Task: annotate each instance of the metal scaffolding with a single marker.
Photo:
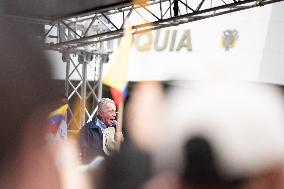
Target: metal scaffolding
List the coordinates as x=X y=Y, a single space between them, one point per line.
x=147 y=16
x=84 y=93
x=83 y=83
x=83 y=39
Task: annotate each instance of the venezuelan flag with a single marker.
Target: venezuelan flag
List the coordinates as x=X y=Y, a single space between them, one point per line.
x=55 y=118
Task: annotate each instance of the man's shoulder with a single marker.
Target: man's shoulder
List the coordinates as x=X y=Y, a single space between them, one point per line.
x=90 y=127
x=92 y=124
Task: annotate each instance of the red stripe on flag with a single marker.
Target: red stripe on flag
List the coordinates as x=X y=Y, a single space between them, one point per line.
x=52 y=128
x=116 y=95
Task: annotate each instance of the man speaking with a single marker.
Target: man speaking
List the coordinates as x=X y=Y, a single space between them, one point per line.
x=92 y=139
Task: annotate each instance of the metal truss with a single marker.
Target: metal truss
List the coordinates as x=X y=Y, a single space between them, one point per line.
x=81 y=37
x=83 y=32
x=83 y=86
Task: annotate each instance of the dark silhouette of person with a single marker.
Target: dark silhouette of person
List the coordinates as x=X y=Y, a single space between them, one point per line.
x=27 y=96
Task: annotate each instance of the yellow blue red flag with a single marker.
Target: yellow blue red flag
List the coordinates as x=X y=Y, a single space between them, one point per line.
x=117 y=76
x=55 y=118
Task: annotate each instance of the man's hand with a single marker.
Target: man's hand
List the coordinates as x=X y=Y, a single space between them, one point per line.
x=118 y=136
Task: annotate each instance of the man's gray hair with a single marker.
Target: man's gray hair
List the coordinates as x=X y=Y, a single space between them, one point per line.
x=103 y=103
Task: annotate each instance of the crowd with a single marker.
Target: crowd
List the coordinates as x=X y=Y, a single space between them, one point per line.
x=199 y=135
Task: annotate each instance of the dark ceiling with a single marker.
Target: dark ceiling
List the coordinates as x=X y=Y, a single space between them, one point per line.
x=54 y=9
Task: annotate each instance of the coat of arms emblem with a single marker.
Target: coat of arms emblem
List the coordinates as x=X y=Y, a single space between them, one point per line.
x=229 y=39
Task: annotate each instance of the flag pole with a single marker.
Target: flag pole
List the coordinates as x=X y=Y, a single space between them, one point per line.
x=120 y=116
x=119 y=136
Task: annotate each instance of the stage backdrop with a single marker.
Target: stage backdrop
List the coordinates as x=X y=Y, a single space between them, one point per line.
x=246 y=46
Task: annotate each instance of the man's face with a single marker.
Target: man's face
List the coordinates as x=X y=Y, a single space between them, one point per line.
x=108 y=114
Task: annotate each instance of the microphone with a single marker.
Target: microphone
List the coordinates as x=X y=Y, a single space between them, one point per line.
x=114 y=124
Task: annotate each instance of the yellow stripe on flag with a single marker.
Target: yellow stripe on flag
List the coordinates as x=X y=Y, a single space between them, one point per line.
x=117 y=75
x=59 y=111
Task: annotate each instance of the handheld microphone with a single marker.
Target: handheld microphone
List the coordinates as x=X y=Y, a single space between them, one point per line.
x=114 y=124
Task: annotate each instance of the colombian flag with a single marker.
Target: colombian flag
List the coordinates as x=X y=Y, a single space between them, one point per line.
x=117 y=76
x=55 y=118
